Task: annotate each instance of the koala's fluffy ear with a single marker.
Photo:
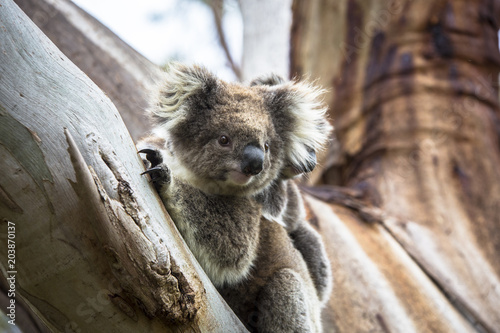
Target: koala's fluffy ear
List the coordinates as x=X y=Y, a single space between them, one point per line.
x=179 y=86
x=299 y=116
x=267 y=80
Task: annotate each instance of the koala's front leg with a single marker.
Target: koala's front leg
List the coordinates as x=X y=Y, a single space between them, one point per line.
x=309 y=243
x=157 y=170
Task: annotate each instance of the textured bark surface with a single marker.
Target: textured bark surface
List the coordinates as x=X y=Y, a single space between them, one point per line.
x=95 y=249
x=120 y=71
x=378 y=287
x=414 y=101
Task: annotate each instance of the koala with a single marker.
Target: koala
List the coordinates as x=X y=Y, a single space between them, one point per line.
x=221 y=156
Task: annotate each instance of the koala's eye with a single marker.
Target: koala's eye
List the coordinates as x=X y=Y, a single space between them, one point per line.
x=266 y=147
x=223 y=140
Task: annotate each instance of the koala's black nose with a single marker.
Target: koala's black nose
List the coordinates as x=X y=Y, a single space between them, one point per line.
x=253 y=160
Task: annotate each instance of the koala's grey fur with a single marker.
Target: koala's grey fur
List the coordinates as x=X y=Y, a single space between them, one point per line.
x=282 y=199
x=275 y=277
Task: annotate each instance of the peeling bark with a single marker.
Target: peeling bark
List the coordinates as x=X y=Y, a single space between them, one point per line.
x=121 y=226
x=378 y=286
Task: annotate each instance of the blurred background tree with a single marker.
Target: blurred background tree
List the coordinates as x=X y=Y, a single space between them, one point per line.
x=409 y=203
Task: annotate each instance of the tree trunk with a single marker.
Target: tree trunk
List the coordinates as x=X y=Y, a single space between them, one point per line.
x=266 y=37
x=120 y=71
x=415 y=105
x=91 y=246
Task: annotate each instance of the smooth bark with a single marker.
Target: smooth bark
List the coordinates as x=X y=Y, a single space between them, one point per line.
x=119 y=70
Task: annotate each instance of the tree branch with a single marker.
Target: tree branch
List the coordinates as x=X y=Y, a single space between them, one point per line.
x=217 y=7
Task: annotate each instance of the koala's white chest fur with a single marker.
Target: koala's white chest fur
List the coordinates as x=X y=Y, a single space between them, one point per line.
x=221 y=231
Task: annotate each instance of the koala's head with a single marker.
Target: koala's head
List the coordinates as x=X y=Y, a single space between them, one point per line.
x=300 y=116
x=231 y=139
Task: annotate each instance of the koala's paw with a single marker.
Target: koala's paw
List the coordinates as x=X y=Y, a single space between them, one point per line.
x=153 y=157
x=157 y=170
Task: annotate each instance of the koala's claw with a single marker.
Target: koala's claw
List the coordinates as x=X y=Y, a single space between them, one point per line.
x=153 y=170
x=159 y=174
x=153 y=156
